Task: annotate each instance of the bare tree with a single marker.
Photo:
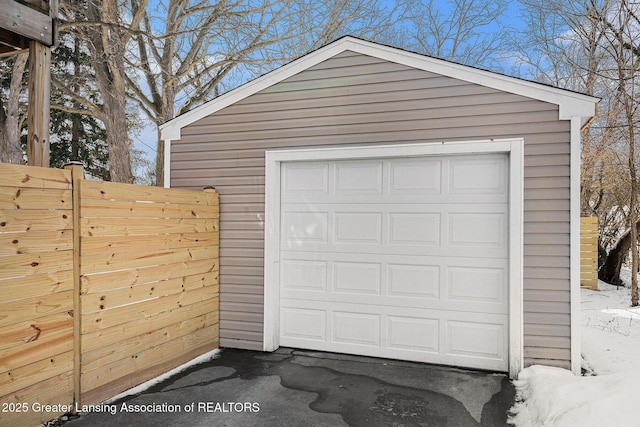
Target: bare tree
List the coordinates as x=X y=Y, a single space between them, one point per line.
x=590 y=46
x=463 y=31
x=561 y=46
x=106 y=28
x=10 y=117
x=188 y=52
x=621 y=26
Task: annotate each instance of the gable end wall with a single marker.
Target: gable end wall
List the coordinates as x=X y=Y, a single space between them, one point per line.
x=356 y=99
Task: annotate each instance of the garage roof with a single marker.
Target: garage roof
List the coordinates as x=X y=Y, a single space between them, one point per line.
x=571 y=104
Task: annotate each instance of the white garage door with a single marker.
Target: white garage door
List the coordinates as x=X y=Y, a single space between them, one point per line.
x=403 y=258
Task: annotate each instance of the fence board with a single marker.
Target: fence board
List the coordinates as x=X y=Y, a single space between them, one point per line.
x=94 y=283
x=35 y=198
x=36 y=285
x=142 y=226
x=19 y=220
x=53 y=391
x=129 y=209
x=148 y=357
x=123 y=244
x=115 y=316
x=589 y=252
x=34 y=373
x=31 y=264
x=33 y=329
x=130 y=347
x=36 y=350
x=33 y=177
x=98 y=263
x=36 y=288
x=145 y=373
x=133 y=193
x=104 y=337
x=124 y=296
x=35 y=308
x=32 y=242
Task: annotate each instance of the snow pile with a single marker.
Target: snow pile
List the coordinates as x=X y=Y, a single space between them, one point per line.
x=553 y=397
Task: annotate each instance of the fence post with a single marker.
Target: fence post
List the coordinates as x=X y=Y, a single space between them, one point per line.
x=77 y=175
x=214 y=200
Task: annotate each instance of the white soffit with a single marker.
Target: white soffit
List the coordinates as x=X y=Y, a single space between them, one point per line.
x=571 y=104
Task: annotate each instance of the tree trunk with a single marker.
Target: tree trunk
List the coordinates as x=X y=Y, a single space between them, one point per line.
x=610 y=270
x=108 y=48
x=10 y=149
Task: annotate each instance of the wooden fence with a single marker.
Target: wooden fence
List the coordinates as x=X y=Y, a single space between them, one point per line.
x=589 y=252
x=85 y=315
x=36 y=292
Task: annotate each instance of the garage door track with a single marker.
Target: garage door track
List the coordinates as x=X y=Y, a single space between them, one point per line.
x=306 y=388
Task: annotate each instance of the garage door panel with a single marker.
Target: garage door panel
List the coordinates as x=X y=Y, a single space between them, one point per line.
x=406 y=249
x=478 y=176
x=358 y=178
x=357 y=227
x=305 y=275
x=415 y=176
x=357 y=278
x=414 y=228
x=303 y=324
x=481 y=230
x=437 y=230
x=398 y=257
x=476 y=285
x=299 y=227
x=413 y=334
x=482 y=310
x=452 y=179
x=435 y=336
x=413 y=281
x=475 y=339
x=356 y=328
x=305 y=180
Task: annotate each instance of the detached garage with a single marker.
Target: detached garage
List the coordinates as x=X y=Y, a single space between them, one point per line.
x=379 y=202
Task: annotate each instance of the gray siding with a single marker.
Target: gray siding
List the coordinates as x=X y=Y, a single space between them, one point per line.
x=356 y=99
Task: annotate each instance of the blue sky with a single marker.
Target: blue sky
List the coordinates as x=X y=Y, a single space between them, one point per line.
x=145 y=140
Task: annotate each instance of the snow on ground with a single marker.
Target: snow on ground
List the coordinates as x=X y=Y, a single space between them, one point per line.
x=213 y=354
x=553 y=397
x=610 y=330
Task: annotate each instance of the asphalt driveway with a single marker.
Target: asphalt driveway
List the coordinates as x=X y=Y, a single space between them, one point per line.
x=305 y=388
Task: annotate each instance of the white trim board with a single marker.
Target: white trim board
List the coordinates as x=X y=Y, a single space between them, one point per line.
x=514 y=147
x=574 y=242
x=571 y=104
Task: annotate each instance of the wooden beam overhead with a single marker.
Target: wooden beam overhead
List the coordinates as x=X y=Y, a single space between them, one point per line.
x=26 y=21
x=41 y=5
x=10 y=41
